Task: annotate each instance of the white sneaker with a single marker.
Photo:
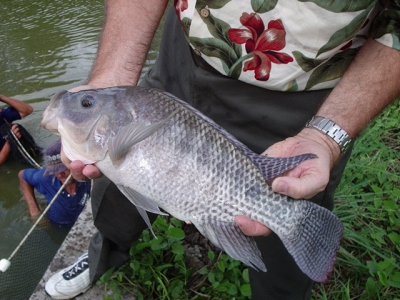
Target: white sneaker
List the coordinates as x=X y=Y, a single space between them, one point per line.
x=71 y=281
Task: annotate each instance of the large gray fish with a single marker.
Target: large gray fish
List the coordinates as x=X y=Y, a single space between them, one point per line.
x=162 y=153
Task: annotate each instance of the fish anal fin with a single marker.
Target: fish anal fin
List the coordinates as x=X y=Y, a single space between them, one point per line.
x=228 y=237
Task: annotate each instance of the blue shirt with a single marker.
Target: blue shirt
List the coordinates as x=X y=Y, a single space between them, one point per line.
x=10 y=114
x=66 y=209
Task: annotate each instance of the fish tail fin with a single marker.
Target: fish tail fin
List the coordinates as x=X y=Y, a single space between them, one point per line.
x=315 y=242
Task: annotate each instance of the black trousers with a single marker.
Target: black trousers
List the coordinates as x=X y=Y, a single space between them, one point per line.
x=256 y=116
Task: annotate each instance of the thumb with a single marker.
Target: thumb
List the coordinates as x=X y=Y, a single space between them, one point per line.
x=304 y=187
x=250 y=227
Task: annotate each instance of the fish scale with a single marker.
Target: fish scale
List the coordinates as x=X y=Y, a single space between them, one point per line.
x=162 y=153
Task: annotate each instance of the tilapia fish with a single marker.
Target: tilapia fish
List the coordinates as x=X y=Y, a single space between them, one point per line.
x=162 y=153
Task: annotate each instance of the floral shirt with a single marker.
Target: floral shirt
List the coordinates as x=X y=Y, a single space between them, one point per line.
x=286 y=45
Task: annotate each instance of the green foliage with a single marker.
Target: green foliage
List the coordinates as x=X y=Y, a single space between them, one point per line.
x=158 y=270
x=368 y=203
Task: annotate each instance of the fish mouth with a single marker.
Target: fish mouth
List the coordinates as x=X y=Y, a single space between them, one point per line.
x=49 y=122
x=49 y=116
x=84 y=145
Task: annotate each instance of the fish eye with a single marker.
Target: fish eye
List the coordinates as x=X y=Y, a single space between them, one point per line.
x=87 y=102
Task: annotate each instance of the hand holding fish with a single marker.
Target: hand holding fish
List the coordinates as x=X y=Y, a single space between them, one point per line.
x=311 y=177
x=305 y=180
x=250 y=227
x=79 y=170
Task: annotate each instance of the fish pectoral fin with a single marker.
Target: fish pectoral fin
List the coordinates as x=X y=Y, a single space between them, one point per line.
x=130 y=135
x=271 y=167
x=228 y=237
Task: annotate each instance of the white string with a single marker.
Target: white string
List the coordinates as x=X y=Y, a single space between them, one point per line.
x=40 y=218
x=32 y=161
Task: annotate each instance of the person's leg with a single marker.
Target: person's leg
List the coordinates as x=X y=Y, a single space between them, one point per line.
x=119 y=224
x=283 y=279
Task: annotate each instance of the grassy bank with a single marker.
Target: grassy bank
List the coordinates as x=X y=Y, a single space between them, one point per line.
x=368 y=202
x=367 y=267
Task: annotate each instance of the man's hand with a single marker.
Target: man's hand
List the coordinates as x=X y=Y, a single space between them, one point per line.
x=15 y=130
x=80 y=172
x=250 y=227
x=303 y=182
x=311 y=176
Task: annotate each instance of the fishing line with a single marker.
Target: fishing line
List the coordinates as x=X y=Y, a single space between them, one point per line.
x=5 y=263
x=20 y=147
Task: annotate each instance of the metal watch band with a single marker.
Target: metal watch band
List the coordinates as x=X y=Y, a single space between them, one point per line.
x=332 y=130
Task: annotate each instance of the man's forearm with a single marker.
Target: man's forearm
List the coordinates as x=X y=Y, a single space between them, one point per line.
x=23 y=108
x=367 y=87
x=127 y=34
x=5 y=152
x=29 y=195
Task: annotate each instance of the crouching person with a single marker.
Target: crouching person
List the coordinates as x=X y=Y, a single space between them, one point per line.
x=72 y=199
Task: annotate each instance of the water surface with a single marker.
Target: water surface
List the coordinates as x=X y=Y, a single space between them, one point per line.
x=45 y=46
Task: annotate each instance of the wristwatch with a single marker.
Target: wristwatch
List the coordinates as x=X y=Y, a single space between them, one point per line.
x=332 y=130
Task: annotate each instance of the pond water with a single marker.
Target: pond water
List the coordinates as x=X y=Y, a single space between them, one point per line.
x=45 y=46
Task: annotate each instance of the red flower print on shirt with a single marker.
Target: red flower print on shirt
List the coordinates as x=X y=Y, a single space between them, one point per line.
x=180 y=5
x=262 y=44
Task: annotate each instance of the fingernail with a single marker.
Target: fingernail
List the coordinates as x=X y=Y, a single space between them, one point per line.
x=281 y=187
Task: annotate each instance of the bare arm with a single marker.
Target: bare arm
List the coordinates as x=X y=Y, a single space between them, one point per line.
x=128 y=30
x=127 y=34
x=5 y=152
x=23 y=108
x=29 y=195
x=368 y=86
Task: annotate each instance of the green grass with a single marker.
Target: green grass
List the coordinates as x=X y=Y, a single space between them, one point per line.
x=367 y=267
x=367 y=202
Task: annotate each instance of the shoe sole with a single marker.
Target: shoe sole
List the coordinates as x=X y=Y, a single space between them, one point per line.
x=65 y=297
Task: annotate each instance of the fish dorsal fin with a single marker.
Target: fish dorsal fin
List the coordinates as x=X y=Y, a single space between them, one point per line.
x=129 y=136
x=142 y=203
x=274 y=166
